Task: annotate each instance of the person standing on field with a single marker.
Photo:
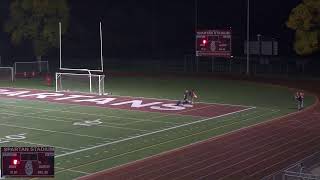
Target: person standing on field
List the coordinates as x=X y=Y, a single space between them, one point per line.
x=193 y=96
x=299 y=99
x=302 y=99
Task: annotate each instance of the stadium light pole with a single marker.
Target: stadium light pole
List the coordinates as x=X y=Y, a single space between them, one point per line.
x=248 y=37
x=195 y=30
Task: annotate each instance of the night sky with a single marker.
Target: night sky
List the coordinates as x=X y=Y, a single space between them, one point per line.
x=159 y=28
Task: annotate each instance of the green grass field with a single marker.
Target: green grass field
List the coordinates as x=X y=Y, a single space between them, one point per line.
x=124 y=135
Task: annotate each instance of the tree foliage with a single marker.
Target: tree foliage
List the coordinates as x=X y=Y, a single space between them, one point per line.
x=305 y=20
x=37 y=21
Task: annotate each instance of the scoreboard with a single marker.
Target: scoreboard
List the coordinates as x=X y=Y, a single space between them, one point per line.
x=216 y=43
x=27 y=162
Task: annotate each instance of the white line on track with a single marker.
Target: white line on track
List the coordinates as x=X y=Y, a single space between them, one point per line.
x=238 y=155
x=208 y=152
x=269 y=157
x=154 y=132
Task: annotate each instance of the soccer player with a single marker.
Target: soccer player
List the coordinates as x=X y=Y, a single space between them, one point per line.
x=186 y=96
x=192 y=95
x=302 y=98
x=299 y=99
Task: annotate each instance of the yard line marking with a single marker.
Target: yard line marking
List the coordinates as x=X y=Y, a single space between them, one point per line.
x=154 y=132
x=178 y=114
x=91 y=114
x=57 y=120
x=74 y=112
x=82 y=172
x=183 y=111
x=119 y=155
x=52 y=131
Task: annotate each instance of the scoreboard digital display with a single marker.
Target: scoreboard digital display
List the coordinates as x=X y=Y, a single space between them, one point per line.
x=215 y=43
x=27 y=162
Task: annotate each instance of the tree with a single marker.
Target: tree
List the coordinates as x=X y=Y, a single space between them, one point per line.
x=305 y=20
x=37 y=21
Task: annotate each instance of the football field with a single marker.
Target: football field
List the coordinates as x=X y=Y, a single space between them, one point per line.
x=94 y=133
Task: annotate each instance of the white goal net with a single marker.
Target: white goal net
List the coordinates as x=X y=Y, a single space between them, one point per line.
x=6 y=74
x=33 y=68
x=86 y=83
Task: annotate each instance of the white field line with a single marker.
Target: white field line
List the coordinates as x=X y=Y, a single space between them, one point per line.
x=131 y=97
x=99 y=107
x=227 y=151
x=135 y=97
x=57 y=120
x=194 y=109
x=224 y=104
x=168 y=115
x=59 y=117
x=27 y=142
x=76 y=119
x=52 y=131
x=154 y=132
x=240 y=154
x=190 y=145
x=91 y=114
x=81 y=172
x=157 y=155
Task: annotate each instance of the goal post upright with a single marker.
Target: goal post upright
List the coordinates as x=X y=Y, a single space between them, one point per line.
x=91 y=74
x=60 y=44
x=101 y=47
x=56 y=82
x=73 y=69
x=90 y=81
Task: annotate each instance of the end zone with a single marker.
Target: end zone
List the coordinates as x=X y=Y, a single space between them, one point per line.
x=204 y=110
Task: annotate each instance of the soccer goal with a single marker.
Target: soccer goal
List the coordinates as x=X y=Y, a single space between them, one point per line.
x=6 y=74
x=86 y=83
x=31 y=68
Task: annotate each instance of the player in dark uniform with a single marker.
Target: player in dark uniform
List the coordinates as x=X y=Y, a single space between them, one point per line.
x=186 y=96
x=299 y=97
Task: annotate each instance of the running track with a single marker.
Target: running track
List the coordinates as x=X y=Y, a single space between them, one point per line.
x=250 y=153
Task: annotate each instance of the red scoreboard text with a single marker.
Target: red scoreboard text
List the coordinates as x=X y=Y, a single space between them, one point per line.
x=216 y=43
x=27 y=162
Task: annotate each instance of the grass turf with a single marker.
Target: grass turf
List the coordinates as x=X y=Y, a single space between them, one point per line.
x=125 y=136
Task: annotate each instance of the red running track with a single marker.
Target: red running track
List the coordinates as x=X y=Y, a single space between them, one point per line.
x=250 y=153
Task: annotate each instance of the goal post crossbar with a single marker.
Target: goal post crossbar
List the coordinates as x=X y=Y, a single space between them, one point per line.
x=83 y=70
x=72 y=69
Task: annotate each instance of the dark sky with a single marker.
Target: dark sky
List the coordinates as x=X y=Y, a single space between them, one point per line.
x=144 y=28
